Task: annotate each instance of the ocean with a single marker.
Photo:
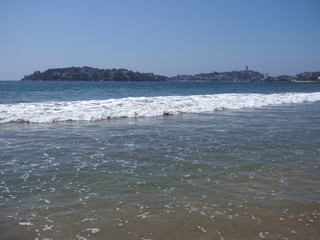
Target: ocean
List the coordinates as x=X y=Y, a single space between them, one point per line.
x=159 y=160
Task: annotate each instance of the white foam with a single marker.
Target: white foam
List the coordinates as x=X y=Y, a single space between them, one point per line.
x=25 y=223
x=95 y=110
x=93 y=230
x=202 y=229
x=81 y=238
x=47 y=227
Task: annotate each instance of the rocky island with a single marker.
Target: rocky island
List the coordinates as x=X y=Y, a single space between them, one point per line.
x=95 y=74
x=91 y=74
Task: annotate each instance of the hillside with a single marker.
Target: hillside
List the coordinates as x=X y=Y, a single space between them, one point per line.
x=95 y=74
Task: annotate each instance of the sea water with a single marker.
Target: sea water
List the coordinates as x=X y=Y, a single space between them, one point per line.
x=159 y=160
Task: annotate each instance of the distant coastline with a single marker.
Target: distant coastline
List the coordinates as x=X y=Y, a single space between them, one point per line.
x=95 y=74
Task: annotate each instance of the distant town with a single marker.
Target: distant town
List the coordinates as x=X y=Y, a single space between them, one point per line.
x=95 y=74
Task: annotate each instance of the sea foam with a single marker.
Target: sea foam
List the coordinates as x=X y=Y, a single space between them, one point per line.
x=95 y=110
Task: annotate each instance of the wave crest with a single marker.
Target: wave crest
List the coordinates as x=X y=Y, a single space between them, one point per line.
x=95 y=110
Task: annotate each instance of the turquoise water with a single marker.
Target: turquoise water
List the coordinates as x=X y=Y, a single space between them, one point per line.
x=245 y=173
x=17 y=92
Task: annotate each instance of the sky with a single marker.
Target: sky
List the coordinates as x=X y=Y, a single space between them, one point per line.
x=166 y=37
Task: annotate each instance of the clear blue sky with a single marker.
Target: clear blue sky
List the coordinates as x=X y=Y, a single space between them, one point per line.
x=167 y=37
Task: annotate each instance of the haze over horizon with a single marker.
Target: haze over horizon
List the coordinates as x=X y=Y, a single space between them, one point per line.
x=163 y=37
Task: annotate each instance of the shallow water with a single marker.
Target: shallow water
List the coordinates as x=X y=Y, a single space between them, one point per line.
x=241 y=174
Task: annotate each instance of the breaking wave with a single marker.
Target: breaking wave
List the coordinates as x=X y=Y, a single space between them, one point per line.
x=95 y=110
